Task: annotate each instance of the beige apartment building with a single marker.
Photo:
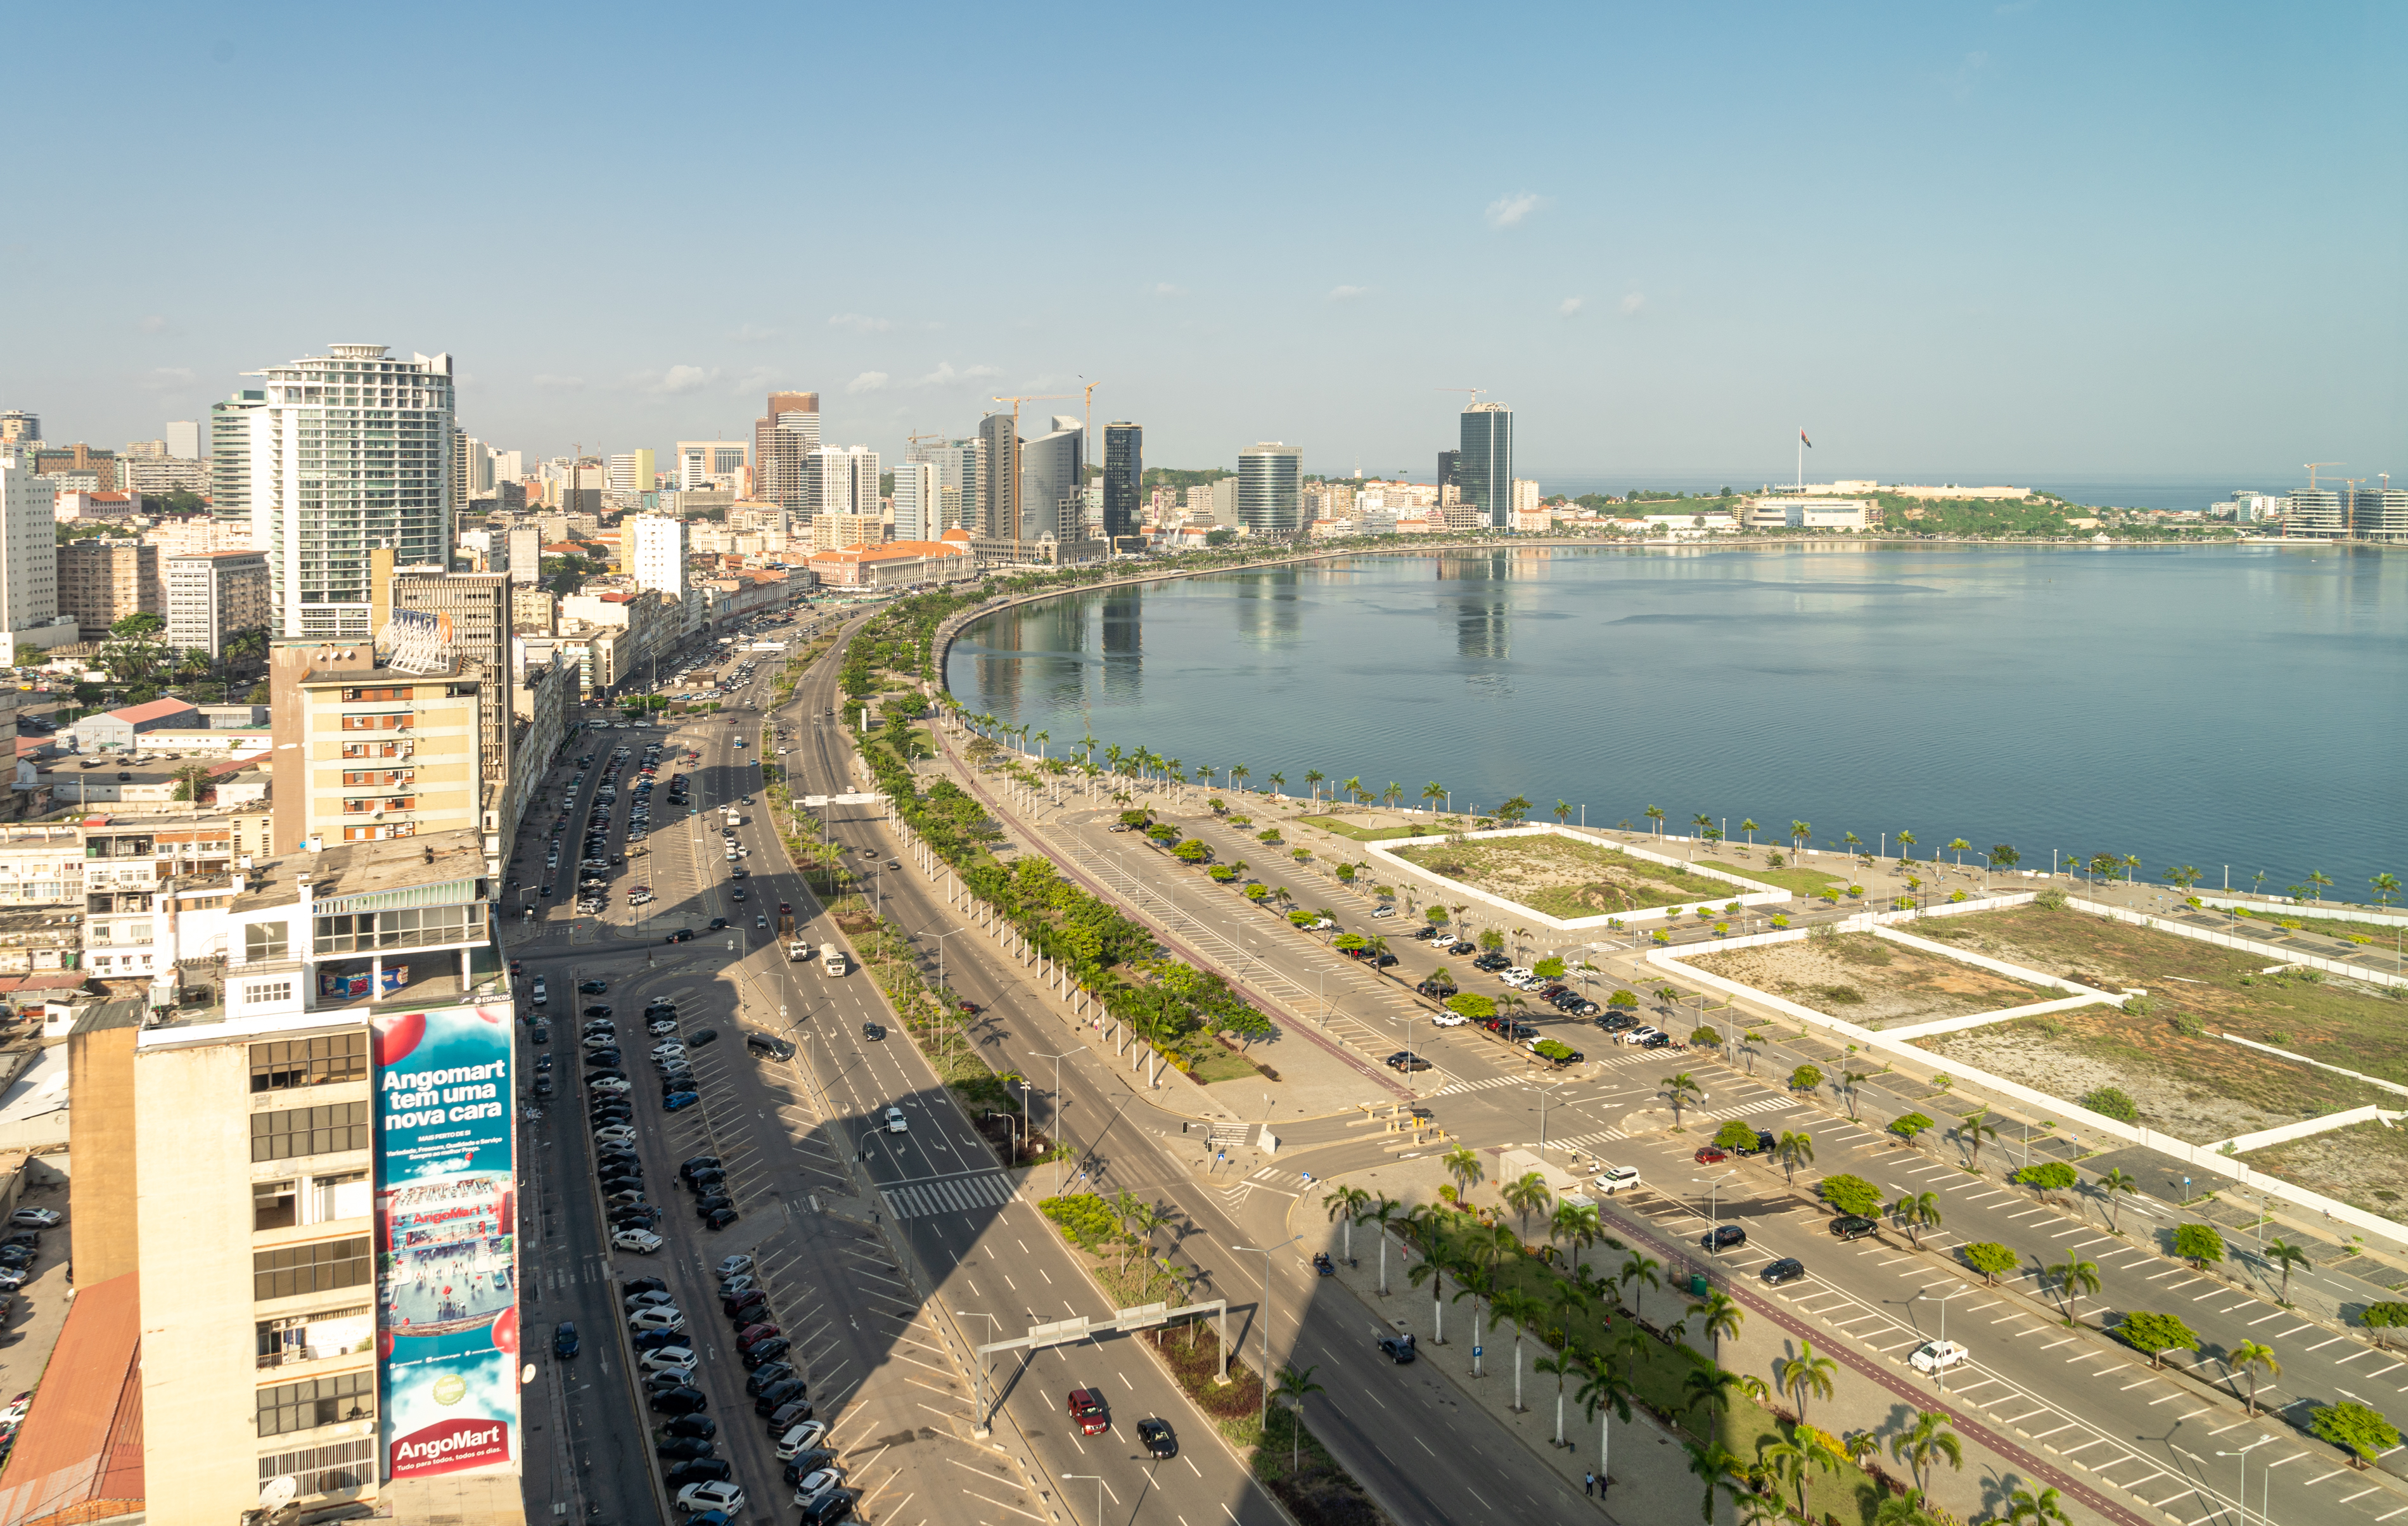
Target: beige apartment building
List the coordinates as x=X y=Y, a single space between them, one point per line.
x=101 y=582
x=365 y=753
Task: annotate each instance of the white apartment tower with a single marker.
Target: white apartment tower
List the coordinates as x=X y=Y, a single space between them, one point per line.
x=841 y=479
x=29 y=559
x=660 y=554
x=350 y=452
x=916 y=487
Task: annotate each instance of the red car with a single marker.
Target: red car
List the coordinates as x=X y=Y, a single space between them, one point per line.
x=755 y=1332
x=1711 y=1154
x=1087 y=1412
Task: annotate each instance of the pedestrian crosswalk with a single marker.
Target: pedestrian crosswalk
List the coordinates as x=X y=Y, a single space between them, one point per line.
x=1482 y=1085
x=1581 y=1142
x=1761 y=1104
x=948 y=1195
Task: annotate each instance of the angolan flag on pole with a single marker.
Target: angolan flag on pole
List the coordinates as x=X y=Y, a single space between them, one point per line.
x=1808 y=443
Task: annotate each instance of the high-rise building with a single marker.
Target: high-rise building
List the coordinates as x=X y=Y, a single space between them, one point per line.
x=350 y=452
x=19 y=426
x=631 y=471
x=916 y=504
x=2314 y=512
x=840 y=480
x=1526 y=496
x=713 y=463
x=480 y=471
x=213 y=596
x=472 y=615
x=999 y=484
x=1052 y=472
x=1124 y=470
x=1449 y=474
x=957 y=480
x=28 y=550
x=783 y=438
x=2381 y=513
x=82 y=460
x=101 y=582
x=1271 y=481
x=652 y=551
x=230 y=454
x=1484 y=470
x=184 y=439
x=525 y=544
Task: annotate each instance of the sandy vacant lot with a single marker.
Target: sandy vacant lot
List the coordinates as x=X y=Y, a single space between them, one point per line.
x=1567 y=877
x=2366 y=1167
x=1865 y=980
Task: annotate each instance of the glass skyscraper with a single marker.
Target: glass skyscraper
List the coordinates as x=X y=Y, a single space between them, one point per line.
x=1270 y=489
x=1484 y=466
x=1124 y=470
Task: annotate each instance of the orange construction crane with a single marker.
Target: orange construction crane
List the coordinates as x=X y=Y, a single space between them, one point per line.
x=2311 y=467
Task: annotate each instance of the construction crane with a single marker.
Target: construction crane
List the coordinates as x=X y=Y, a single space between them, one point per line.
x=2311 y=467
x=1474 y=391
x=1014 y=476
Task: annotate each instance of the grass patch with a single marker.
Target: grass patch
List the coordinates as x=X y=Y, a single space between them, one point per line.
x=1567 y=877
x=2268 y=926
x=1366 y=834
x=2365 y=1166
x=1211 y=1062
x=1800 y=880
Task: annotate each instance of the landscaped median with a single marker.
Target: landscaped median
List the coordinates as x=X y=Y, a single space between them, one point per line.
x=1116 y=1236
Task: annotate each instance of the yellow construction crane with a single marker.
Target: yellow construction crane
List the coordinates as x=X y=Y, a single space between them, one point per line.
x=1013 y=475
x=1474 y=391
x=2311 y=467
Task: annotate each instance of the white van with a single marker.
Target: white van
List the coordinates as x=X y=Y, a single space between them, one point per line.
x=833 y=960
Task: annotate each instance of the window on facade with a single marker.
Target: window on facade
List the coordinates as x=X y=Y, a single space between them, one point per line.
x=264 y=940
x=342 y=1195
x=355 y=696
x=407 y=928
x=377 y=722
x=326 y=1401
x=309 y=1130
x=289 y=1270
x=266 y=993
x=325 y=1470
x=307 y=1062
x=273 y=1205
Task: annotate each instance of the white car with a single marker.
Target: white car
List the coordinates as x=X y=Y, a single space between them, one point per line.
x=669 y=1359
x=541 y=996
x=617 y=1133
x=895 y=1122
x=653 y=1298
x=1641 y=1034
x=1517 y=974
x=35 y=1218
x=612 y=1083
x=642 y=1241
x=1443 y=941
x=802 y=1438
x=662 y=1318
x=1383 y=910
x=1615 y=1179
x=1938 y=1356
x=730 y=1265
x=669 y=1051
x=1448 y=1019
x=816 y=1483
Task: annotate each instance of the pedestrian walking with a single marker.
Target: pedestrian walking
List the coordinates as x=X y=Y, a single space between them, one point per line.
x=1588 y=1484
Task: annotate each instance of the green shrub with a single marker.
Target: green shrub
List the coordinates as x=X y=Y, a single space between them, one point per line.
x=1805 y=1078
x=2051 y=899
x=2156 y=1334
x=2356 y=1427
x=1989 y=1257
x=2198 y=1244
x=1735 y=1135
x=1550 y=968
x=1085 y=1217
x=2111 y=1102
x=2047 y=1176
x=1194 y=851
x=1473 y=1005
x=1850 y=1194
x=1706 y=1038
x=1909 y=1126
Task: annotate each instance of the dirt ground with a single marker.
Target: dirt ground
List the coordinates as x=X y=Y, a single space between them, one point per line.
x=2365 y=1166
x=1863 y=979
x=1567 y=877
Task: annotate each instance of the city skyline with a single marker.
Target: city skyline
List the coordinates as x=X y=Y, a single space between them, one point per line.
x=1957 y=243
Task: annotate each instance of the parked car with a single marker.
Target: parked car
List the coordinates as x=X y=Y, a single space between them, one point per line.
x=1709 y=1155
x=1938 y=1356
x=718 y=1494
x=800 y=1438
x=1406 y=1060
x=38 y=1219
x=1615 y=1179
x=642 y=1241
x=770 y=1398
x=1851 y=1227
x=680 y=1401
x=1397 y=1348
x=563 y=1339
x=1723 y=1237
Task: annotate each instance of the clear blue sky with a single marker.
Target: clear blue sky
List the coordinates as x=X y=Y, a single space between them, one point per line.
x=1977 y=241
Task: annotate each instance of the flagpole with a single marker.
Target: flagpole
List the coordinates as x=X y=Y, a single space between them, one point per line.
x=1801 y=458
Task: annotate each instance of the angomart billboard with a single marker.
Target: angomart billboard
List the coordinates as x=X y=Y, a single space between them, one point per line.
x=447 y=1240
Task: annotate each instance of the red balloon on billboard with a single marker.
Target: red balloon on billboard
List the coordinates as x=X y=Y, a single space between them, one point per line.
x=396 y=1037
x=506 y=1331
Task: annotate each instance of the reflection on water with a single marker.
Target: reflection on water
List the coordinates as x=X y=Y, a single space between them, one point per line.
x=2233 y=705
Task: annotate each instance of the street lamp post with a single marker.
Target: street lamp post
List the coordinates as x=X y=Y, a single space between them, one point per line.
x=1940 y=1375
x=1058 y=1110
x=1266 y=1252
x=1713 y=1186
x=2266 y=1492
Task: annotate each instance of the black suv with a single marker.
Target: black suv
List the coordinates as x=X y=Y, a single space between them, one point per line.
x=1492 y=961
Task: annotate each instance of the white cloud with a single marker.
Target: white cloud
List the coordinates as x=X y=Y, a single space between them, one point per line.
x=868 y=381
x=677 y=378
x=1164 y=288
x=166 y=378
x=1632 y=303
x=1568 y=305
x=860 y=323
x=1509 y=212
x=1347 y=293
x=945 y=376
x=559 y=383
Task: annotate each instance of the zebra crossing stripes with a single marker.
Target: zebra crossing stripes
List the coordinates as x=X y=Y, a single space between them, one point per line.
x=1581 y=1142
x=1762 y=1104
x=1482 y=1085
x=948 y=1195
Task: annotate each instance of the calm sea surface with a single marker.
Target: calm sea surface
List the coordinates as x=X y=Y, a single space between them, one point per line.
x=2239 y=706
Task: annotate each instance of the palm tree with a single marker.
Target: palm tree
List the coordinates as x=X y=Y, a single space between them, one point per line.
x=1855 y=842
x=1313 y=778
x=1656 y=813
x=1912 y=1508
x=1848 y=1080
x=2112 y=1183
x=1432 y=1268
x=1238 y=776
x=1346 y=1203
x=1295 y=1383
x=1974 y=1128
x=1562 y=1364
x=2316 y=879
x=1806 y=1372
x=1603 y=1393
x=1394 y=793
x=1917 y=1212
x=1578 y=1225
x=1680 y=1088
x=1527 y=1194
x=1463 y=1164
x=1520 y=1310
x=1795 y=1464
x=1958 y=846
x=1701 y=822
x=1905 y=840
x=2073 y=1275
x=1381 y=1213
x=2043 y=1507
x=2247 y=1357
x=1800 y=833
x=1563 y=812
x=1719 y=1468
x=1722 y=1317
x=1638 y=1267
x=1748 y=825
x=1795 y=1149
x=2386 y=886
x=1433 y=792
x=1925 y=1442
x=1354 y=788
x=2287 y=1256
x=1277 y=782
x=1711 y=1387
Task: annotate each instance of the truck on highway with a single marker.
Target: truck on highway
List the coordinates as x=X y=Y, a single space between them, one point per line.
x=832 y=960
x=799 y=951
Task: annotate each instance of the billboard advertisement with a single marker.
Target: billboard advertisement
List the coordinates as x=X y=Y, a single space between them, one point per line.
x=446 y=1240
